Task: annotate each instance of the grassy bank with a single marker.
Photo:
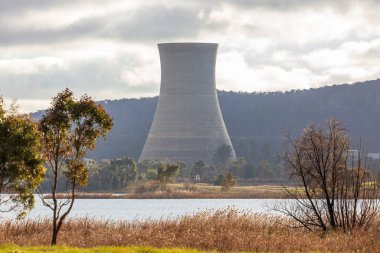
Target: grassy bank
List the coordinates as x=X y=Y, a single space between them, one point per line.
x=196 y=191
x=222 y=231
x=46 y=249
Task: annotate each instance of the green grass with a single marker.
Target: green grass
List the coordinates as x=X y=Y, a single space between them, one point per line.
x=58 y=249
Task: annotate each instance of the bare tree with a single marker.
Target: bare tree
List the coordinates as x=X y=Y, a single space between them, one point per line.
x=334 y=189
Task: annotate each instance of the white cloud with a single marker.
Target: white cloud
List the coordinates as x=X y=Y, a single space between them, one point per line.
x=108 y=48
x=350 y=62
x=30 y=66
x=27 y=105
x=140 y=75
x=233 y=71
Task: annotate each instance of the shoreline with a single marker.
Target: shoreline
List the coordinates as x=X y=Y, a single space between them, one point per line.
x=181 y=191
x=126 y=196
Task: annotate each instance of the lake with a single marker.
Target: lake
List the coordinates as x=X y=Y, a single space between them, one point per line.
x=142 y=209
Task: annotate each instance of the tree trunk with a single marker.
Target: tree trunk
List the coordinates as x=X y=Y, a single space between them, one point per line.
x=54 y=235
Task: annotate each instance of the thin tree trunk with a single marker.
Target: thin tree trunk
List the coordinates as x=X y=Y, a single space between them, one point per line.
x=54 y=232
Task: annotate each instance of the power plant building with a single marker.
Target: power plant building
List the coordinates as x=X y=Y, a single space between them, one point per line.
x=188 y=125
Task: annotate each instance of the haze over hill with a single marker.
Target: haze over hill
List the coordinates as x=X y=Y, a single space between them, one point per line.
x=264 y=118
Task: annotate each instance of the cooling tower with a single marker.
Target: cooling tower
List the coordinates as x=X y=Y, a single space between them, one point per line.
x=188 y=125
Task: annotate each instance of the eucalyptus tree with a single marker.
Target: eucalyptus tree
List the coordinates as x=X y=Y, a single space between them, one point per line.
x=21 y=165
x=119 y=173
x=166 y=172
x=228 y=182
x=70 y=128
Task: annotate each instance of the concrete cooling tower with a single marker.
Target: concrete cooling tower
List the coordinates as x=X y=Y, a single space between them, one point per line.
x=188 y=125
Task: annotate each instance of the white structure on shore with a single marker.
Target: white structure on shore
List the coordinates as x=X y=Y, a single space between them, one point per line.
x=188 y=124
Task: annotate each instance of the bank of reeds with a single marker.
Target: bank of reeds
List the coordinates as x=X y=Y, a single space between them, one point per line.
x=187 y=191
x=175 y=195
x=224 y=230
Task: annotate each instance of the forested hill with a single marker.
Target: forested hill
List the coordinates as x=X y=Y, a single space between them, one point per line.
x=264 y=118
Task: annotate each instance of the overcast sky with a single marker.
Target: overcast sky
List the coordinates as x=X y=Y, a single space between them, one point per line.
x=108 y=50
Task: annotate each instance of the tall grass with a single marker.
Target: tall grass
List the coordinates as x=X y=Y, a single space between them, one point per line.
x=62 y=249
x=223 y=230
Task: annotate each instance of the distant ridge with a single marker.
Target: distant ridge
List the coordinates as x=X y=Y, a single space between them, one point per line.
x=262 y=117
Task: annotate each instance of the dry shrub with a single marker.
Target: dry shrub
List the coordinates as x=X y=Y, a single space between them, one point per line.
x=223 y=230
x=188 y=187
x=150 y=187
x=140 y=189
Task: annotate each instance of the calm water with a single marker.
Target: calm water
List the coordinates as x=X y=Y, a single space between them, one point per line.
x=129 y=209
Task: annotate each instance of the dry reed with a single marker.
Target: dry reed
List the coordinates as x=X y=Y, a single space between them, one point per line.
x=263 y=192
x=224 y=230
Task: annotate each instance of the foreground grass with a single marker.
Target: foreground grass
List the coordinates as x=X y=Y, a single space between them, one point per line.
x=58 y=249
x=224 y=230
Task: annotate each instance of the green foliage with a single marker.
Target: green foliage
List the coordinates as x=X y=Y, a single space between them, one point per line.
x=151 y=174
x=121 y=171
x=219 y=180
x=198 y=168
x=144 y=165
x=165 y=172
x=112 y=174
x=70 y=128
x=249 y=171
x=223 y=154
x=184 y=171
x=228 y=182
x=237 y=167
x=21 y=164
